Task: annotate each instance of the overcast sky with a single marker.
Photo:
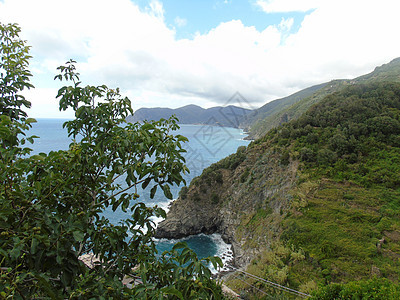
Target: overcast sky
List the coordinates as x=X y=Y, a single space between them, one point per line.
x=172 y=53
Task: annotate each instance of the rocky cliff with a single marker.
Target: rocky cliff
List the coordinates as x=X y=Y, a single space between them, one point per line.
x=231 y=196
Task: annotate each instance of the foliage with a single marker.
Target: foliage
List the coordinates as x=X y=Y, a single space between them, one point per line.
x=245 y=175
x=232 y=161
x=376 y=288
x=280 y=111
x=272 y=264
x=291 y=107
x=351 y=135
x=214 y=198
x=183 y=192
x=212 y=176
x=348 y=146
x=343 y=211
x=51 y=205
x=14 y=76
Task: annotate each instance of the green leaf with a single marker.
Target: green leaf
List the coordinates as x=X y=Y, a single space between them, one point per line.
x=153 y=191
x=147 y=126
x=179 y=245
x=30 y=120
x=34 y=245
x=172 y=291
x=16 y=251
x=167 y=191
x=64 y=193
x=78 y=235
x=146 y=183
x=46 y=286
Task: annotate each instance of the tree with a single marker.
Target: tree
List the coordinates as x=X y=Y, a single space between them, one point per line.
x=51 y=205
x=14 y=72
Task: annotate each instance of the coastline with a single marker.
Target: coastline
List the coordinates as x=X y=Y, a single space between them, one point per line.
x=224 y=250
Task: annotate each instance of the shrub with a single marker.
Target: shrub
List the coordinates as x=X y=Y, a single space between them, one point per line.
x=214 y=198
x=307 y=155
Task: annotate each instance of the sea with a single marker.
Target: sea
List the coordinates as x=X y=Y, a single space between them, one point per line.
x=207 y=144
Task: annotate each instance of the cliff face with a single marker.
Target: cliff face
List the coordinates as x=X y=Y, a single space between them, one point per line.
x=242 y=197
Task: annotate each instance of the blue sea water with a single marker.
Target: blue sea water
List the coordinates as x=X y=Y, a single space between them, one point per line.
x=207 y=144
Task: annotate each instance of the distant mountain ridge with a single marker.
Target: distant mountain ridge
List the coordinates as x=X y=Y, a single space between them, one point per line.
x=229 y=116
x=272 y=114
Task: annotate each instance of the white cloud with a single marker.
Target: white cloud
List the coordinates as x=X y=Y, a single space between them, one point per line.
x=286 y=24
x=118 y=44
x=156 y=9
x=276 y=6
x=44 y=104
x=180 y=22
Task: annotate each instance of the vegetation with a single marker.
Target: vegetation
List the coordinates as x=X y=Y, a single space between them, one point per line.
x=350 y=138
x=231 y=162
x=352 y=135
x=376 y=288
x=344 y=213
x=334 y=230
x=280 y=111
x=51 y=215
x=340 y=216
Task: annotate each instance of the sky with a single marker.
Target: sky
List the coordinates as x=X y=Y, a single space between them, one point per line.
x=172 y=53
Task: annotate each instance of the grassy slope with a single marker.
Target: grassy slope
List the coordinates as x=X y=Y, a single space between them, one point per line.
x=350 y=147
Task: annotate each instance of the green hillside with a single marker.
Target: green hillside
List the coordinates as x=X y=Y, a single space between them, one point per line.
x=294 y=106
x=289 y=112
x=254 y=120
x=347 y=198
x=386 y=72
x=315 y=201
x=344 y=214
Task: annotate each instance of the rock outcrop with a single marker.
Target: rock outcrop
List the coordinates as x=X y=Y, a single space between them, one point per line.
x=241 y=197
x=187 y=218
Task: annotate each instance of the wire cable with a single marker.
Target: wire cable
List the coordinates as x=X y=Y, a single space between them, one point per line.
x=249 y=284
x=275 y=285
